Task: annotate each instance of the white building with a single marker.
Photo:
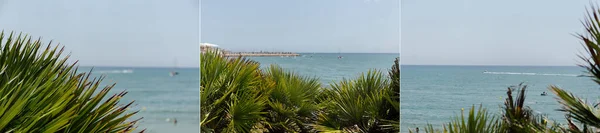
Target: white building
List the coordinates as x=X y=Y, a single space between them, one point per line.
x=206 y=46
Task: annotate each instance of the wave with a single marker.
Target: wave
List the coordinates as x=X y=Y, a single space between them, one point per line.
x=117 y=71
x=542 y=74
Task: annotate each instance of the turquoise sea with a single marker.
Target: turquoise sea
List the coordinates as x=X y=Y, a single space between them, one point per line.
x=159 y=97
x=429 y=94
x=328 y=68
x=435 y=94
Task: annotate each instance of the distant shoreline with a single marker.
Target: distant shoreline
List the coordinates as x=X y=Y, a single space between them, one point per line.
x=340 y=53
x=142 y=67
x=488 y=65
x=259 y=54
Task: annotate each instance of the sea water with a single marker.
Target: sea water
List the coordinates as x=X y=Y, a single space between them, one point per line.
x=159 y=98
x=435 y=94
x=328 y=68
x=429 y=94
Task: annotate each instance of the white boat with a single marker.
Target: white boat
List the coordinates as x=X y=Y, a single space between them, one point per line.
x=173 y=73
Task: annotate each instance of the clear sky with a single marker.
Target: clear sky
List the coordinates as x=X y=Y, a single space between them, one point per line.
x=476 y=32
x=152 y=33
x=357 y=26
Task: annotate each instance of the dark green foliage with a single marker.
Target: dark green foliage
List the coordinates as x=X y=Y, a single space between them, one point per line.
x=41 y=92
x=475 y=122
x=575 y=107
x=520 y=118
x=516 y=114
x=480 y=122
x=591 y=39
x=356 y=105
x=393 y=107
x=231 y=94
x=237 y=96
x=292 y=103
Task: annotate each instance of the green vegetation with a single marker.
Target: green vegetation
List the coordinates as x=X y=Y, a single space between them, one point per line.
x=237 y=96
x=516 y=117
x=41 y=92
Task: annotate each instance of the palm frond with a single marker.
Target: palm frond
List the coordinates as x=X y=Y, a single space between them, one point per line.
x=41 y=92
x=573 y=106
x=475 y=122
x=292 y=100
x=231 y=95
x=577 y=108
x=356 y=105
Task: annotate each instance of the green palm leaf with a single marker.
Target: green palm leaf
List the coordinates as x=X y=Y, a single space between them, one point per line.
x=231 y=94
x=356 y=105
x=41 y=92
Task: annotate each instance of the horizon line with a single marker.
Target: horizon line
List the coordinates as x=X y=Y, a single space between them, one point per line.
x=332 y=52
x=349 y=52
x=488 y=65
x=133 y=66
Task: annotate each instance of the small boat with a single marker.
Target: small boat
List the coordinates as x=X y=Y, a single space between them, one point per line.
x=543 y=94
x=173 y=73
x=582 y=75
x=339 y=54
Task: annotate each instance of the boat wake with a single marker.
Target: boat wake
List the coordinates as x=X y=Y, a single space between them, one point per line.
x=117 y=71
x=541 y=74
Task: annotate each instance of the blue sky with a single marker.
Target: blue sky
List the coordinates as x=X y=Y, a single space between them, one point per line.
x=150 y=33
x=357 y=26
x=475 y=32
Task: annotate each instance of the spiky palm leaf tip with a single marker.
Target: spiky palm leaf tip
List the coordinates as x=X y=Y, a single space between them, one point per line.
x=359 y=105
x=41 y=92
x=572 y=105
x=231 y=94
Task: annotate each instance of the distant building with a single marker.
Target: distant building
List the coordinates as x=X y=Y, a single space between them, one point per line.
x=207 y=46
x=204 y=47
